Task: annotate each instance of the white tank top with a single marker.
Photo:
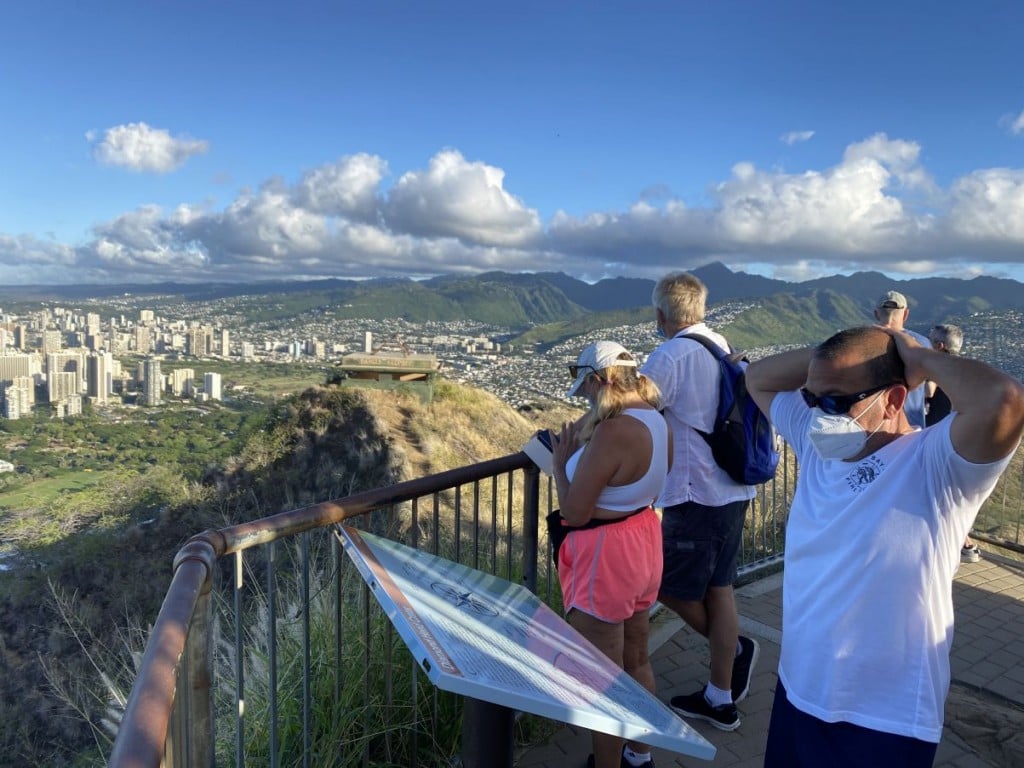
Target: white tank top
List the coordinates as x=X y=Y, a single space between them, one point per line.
x=643 y=492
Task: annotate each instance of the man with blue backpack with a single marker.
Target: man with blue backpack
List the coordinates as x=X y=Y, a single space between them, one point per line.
x=703 y=505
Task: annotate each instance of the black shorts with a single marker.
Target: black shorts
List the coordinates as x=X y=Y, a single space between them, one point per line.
x=799 y=740
x=701 y=545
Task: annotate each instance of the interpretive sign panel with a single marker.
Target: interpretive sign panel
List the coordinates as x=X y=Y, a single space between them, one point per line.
x=481 y=636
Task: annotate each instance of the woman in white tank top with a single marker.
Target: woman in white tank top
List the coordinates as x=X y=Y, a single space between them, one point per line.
x=609 y=468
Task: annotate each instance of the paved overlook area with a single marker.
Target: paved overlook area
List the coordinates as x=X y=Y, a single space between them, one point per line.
x=984 y=712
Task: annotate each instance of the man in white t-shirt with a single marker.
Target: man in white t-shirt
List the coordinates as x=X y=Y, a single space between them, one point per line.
x=891 y=311
x=873 y=540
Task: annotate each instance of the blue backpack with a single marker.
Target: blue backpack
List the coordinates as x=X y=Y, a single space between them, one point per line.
x=743 y=441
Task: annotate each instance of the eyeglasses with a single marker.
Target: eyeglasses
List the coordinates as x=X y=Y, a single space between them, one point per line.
x=837 y=405
x=574 y=370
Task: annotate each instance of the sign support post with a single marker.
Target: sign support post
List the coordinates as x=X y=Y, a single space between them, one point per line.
x=487 y=734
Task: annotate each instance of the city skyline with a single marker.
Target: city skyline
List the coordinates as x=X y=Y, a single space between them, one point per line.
x=232 y=142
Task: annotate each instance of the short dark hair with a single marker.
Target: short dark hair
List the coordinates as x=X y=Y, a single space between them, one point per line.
x=875 y=346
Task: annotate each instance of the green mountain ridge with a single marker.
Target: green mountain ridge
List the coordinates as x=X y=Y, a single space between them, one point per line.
x=524 y=301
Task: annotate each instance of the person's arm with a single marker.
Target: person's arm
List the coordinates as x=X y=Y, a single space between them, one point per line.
x=989 y=403
x=594 y=470
x=779 y=373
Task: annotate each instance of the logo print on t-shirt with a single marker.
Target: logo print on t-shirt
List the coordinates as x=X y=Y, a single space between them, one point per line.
x=864 y=474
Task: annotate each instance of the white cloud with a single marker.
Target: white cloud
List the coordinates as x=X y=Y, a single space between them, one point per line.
x=1017 y=126
x=795 y=137
x=457 y=198
x=849 y=210
x=987 y=210
x=139 y=147
x=346 y=188
x=29 y=250
x=876 y=208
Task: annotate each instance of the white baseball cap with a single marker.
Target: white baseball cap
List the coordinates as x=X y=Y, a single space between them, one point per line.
x=596 y=357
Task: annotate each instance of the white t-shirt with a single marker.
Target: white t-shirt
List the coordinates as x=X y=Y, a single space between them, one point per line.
x=913 y=406
x=871 y=549
x=688 y=377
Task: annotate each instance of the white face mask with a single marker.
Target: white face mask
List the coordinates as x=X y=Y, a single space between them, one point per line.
x=839 y=437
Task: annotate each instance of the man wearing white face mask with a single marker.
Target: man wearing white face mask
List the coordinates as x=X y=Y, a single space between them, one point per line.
x=873 y=540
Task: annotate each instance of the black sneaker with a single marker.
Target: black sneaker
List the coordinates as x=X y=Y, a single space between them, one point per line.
x=743 y=668
x=725 y=717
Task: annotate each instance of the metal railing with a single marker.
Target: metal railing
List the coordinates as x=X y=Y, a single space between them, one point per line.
x=269 y=650
x=1001 y=519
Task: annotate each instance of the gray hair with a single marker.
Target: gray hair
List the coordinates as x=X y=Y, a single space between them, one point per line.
x=681 y=297
x=950 y=336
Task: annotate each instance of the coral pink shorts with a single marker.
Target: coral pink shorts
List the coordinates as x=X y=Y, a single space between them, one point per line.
x=613 y=571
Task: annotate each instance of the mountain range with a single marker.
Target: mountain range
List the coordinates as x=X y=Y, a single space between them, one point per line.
x=777 y=309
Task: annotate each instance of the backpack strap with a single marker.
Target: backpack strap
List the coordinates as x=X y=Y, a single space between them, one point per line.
x=705 y=342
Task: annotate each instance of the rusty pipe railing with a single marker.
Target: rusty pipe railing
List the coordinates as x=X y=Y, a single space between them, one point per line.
x=146 y=725
x=171 y=715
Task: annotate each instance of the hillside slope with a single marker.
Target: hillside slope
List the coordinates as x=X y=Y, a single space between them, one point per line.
x=325 y=443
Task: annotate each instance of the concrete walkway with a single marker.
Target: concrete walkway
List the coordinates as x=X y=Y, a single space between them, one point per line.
x=984 y=714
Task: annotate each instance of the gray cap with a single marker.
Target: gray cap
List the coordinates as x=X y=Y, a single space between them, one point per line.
x=892 y=300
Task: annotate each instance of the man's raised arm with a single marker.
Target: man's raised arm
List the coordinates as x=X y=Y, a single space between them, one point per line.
x=779 y=373
x=989 y=404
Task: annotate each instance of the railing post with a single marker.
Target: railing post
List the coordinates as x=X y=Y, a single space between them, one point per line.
x=531 y=516
x=199 y=749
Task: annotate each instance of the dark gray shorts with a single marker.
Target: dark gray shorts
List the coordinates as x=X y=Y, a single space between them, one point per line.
x=701 y=545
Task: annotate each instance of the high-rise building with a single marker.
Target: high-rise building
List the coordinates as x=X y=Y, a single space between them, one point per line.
x=248 y=350
x=52 y=341
x=16 y=403
x=12 y=366
x=61 y=385
x=72 y=360
x=197 y=342
x=146 y=316
x=29 y=385
x=143 y=340
x=225 y=343
x=152 y=382
x=181 y=381
x=211 y=383
x=99 y=376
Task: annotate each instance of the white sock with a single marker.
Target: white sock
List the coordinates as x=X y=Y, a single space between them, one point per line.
x=717 y=697
x=636 y=758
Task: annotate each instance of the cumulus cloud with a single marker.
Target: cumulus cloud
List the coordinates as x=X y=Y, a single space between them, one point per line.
x=847 y=210
x=877 y=207
x=795 y=137
x=457 y=198
x=987 y=209
x=139 y=147
x=347 y=188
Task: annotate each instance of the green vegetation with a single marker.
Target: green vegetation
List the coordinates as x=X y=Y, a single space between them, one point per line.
x=547 y=335
x=93 y=567
x=67 y=467
x=251 y=381
x=785 y=319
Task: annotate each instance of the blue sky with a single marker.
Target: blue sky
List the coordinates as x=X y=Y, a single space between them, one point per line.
x=240 y=141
